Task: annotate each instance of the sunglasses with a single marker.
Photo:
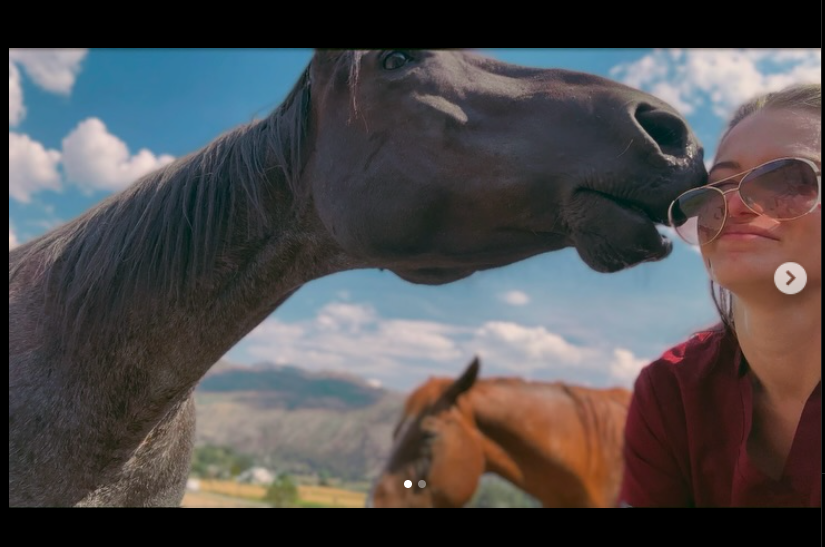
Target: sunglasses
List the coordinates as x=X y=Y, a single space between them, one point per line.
x=782 y=189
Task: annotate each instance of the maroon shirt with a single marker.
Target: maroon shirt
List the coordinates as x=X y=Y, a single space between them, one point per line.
x=687 y=431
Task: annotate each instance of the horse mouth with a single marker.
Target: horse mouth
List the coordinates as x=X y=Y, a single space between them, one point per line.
x=612 y=234
x=621 y=236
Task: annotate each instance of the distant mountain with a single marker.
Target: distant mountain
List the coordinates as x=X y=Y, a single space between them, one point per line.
x=291 y=388
x=297 y=420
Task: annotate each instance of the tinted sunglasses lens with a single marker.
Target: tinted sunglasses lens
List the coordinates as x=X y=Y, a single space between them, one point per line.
x=783 y=189
x=698 y=215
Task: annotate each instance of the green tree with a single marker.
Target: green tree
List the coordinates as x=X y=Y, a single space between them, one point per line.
x=282 y=493
x=217 y=462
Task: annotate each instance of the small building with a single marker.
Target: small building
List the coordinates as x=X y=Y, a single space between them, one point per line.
x=257 y=475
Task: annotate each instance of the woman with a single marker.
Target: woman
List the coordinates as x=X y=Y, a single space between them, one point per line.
x=733 y=416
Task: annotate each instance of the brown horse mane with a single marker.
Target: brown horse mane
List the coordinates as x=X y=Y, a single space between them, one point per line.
x=427 y=395
x=160 y=234
x=432 y=388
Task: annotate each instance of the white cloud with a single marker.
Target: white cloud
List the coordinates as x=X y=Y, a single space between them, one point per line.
x=54 y=70
x=673 y=96
x=720 y=79
x=344 y=317
x=431 y=340
x=515 y=298
x=626 y=366
x=355 y=339
x=16 y=109
x=94 y=159
x=32 y=168
x=12 y=239
x=532 y=345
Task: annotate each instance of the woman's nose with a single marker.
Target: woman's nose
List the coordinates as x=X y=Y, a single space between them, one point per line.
x=737 y=207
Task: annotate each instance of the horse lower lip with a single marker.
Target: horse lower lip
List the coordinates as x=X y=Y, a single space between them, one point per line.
x=631 y=239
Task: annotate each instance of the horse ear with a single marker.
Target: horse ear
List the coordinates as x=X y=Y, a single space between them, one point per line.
x=463 y=383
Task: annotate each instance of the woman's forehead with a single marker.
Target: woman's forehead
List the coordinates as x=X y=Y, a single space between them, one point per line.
x=771 y=134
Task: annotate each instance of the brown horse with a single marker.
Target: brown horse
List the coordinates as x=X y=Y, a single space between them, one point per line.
x=433 y=164
x=560 y=443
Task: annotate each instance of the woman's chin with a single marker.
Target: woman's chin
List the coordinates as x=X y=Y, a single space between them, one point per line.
x=742 y=277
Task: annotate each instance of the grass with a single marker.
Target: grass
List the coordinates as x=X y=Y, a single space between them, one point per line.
x=314 y=497
x=233 y=489
x=331 y=497
x=205 y=500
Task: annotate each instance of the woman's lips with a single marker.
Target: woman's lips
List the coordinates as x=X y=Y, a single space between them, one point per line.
x=736 y=235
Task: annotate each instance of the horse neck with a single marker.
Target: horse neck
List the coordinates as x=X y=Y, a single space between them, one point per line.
x=138 y=298
x=549 y=439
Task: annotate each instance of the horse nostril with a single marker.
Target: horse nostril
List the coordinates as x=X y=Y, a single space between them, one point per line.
x=667 y=129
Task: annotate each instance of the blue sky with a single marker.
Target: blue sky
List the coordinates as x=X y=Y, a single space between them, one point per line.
x=86 y=123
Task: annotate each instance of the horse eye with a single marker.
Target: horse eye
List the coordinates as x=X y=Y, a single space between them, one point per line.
x=395 y=60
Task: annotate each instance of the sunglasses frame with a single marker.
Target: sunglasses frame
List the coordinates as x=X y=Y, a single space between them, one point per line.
x=714 y=186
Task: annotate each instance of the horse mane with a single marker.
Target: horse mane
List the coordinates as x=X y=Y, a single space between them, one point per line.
x=434 y=387
x=158 y=236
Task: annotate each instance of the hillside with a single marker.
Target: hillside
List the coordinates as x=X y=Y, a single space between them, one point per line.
x=298 y=421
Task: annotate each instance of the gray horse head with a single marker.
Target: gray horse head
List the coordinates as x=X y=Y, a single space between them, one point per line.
x=438 y=164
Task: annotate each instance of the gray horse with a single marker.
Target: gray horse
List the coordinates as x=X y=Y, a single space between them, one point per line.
x=433 y=164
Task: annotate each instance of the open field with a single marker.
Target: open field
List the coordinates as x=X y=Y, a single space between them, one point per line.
x=331 y=497
x=205 y=500
x=219 y=494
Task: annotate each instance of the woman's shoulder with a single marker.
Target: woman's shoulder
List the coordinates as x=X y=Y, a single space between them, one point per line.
x=693 y=360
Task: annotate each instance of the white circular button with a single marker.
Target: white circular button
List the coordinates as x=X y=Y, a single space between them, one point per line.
x=790 y=278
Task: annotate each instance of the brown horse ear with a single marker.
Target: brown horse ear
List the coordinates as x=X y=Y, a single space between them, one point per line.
x=462 y=384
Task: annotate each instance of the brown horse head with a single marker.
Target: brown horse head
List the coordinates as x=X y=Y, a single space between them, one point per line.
x=435 y=448
x=558 y=442
x=436 y=164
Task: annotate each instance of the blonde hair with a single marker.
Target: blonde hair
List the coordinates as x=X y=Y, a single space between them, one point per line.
x=806 y=97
